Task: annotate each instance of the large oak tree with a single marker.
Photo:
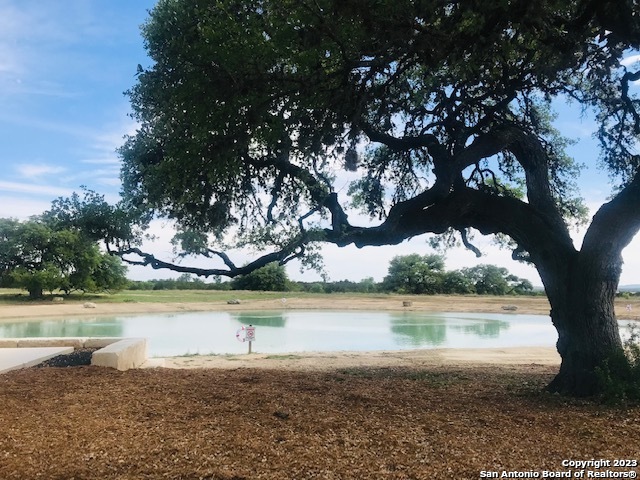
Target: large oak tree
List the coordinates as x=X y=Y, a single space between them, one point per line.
x=252 y=108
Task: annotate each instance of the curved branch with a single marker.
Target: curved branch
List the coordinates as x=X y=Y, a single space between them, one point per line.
x=223 y=256
x=287 y=254
x=616 y=223
x=626 y=78
x=468 y=245
x=533 y=158
x=467 y=208
x=428 y=141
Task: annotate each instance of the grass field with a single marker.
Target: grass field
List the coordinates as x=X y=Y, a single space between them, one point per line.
x=10 y=296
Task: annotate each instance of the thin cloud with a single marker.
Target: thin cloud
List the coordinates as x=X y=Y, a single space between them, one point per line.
x=109 y=177
x=105 y=155
x=34 y=189
x=38 y=170
x=112 y=160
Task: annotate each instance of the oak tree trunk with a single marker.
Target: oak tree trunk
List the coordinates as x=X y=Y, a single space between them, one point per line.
x=35 y=293
x=582 y=311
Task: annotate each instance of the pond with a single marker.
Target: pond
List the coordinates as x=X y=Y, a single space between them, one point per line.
x=300 y=331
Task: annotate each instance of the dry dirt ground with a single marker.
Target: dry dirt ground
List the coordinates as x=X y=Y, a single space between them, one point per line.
x=538 y=305
x=436 y=415
x=432 y=422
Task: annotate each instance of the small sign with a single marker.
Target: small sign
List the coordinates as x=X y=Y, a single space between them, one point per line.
x=250 y=334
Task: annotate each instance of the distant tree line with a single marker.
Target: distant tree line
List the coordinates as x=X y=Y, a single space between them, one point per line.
x=409 y=274
x=183 y=282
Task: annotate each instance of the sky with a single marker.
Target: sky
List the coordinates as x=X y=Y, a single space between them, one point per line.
x=64 y=68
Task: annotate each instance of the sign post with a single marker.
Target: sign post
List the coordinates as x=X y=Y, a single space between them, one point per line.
x=250 y=335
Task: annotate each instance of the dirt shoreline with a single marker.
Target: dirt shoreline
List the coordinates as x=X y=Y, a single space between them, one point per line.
x=535 y=305
x=436 y=303
x=520 y=358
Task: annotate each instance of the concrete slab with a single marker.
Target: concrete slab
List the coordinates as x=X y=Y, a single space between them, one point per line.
x=74 y=342
x=100 y=342
x=123 y=355
x=15 y=358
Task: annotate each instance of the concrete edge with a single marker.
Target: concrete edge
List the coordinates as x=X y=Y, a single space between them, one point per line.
x=51 y=342
x=122 y=355
x=76 y=342
x=113 y=352
x=27 y=358
x=100 y=342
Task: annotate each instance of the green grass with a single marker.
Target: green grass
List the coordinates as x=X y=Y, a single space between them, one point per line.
x=9 y=296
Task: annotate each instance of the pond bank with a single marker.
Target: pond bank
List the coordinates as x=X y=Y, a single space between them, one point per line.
x=436 y=303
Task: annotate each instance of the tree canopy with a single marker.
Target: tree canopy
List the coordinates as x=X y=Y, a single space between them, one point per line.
x=426 y=274
x=253 y=113
x=493 y=280
x=415 y=274
x=271 y=277
x=251 y=109
x=39 y=257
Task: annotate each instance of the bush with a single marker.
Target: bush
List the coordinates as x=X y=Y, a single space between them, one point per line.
x=272 y=277
x=619 y=376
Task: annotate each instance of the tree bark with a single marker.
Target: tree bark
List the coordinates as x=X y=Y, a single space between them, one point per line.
x=582 y=290
x=582 y=311
x=35 y=293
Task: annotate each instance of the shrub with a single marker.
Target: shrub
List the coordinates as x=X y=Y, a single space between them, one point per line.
x=619 y=375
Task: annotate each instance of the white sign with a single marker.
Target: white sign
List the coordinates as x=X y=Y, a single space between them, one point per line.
x=250 y=335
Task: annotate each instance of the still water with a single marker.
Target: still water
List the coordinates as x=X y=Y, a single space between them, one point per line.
x=299 y=331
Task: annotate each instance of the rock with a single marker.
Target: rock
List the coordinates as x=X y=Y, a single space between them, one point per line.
x=509 y=307
x=235 y=301
x=281 y=415
x=407 y=303
x=57 y=299
x=81 y=356
x=89 y=305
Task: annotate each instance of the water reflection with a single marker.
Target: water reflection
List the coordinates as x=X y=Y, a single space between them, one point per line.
x=419 y=332
x=78 y=327
x=276 y=320
x=488 y=329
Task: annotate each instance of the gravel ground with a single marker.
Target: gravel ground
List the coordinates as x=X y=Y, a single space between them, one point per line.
x=80 y=356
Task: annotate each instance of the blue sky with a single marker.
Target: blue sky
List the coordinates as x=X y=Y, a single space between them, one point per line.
x=64 y=66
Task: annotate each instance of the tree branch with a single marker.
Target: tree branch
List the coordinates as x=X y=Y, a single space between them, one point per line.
x=616 y=223
x=468 y=245
x=428 y=141
x=283 y=256
x=223 y=256
x=461 y=209
x=626 y=78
